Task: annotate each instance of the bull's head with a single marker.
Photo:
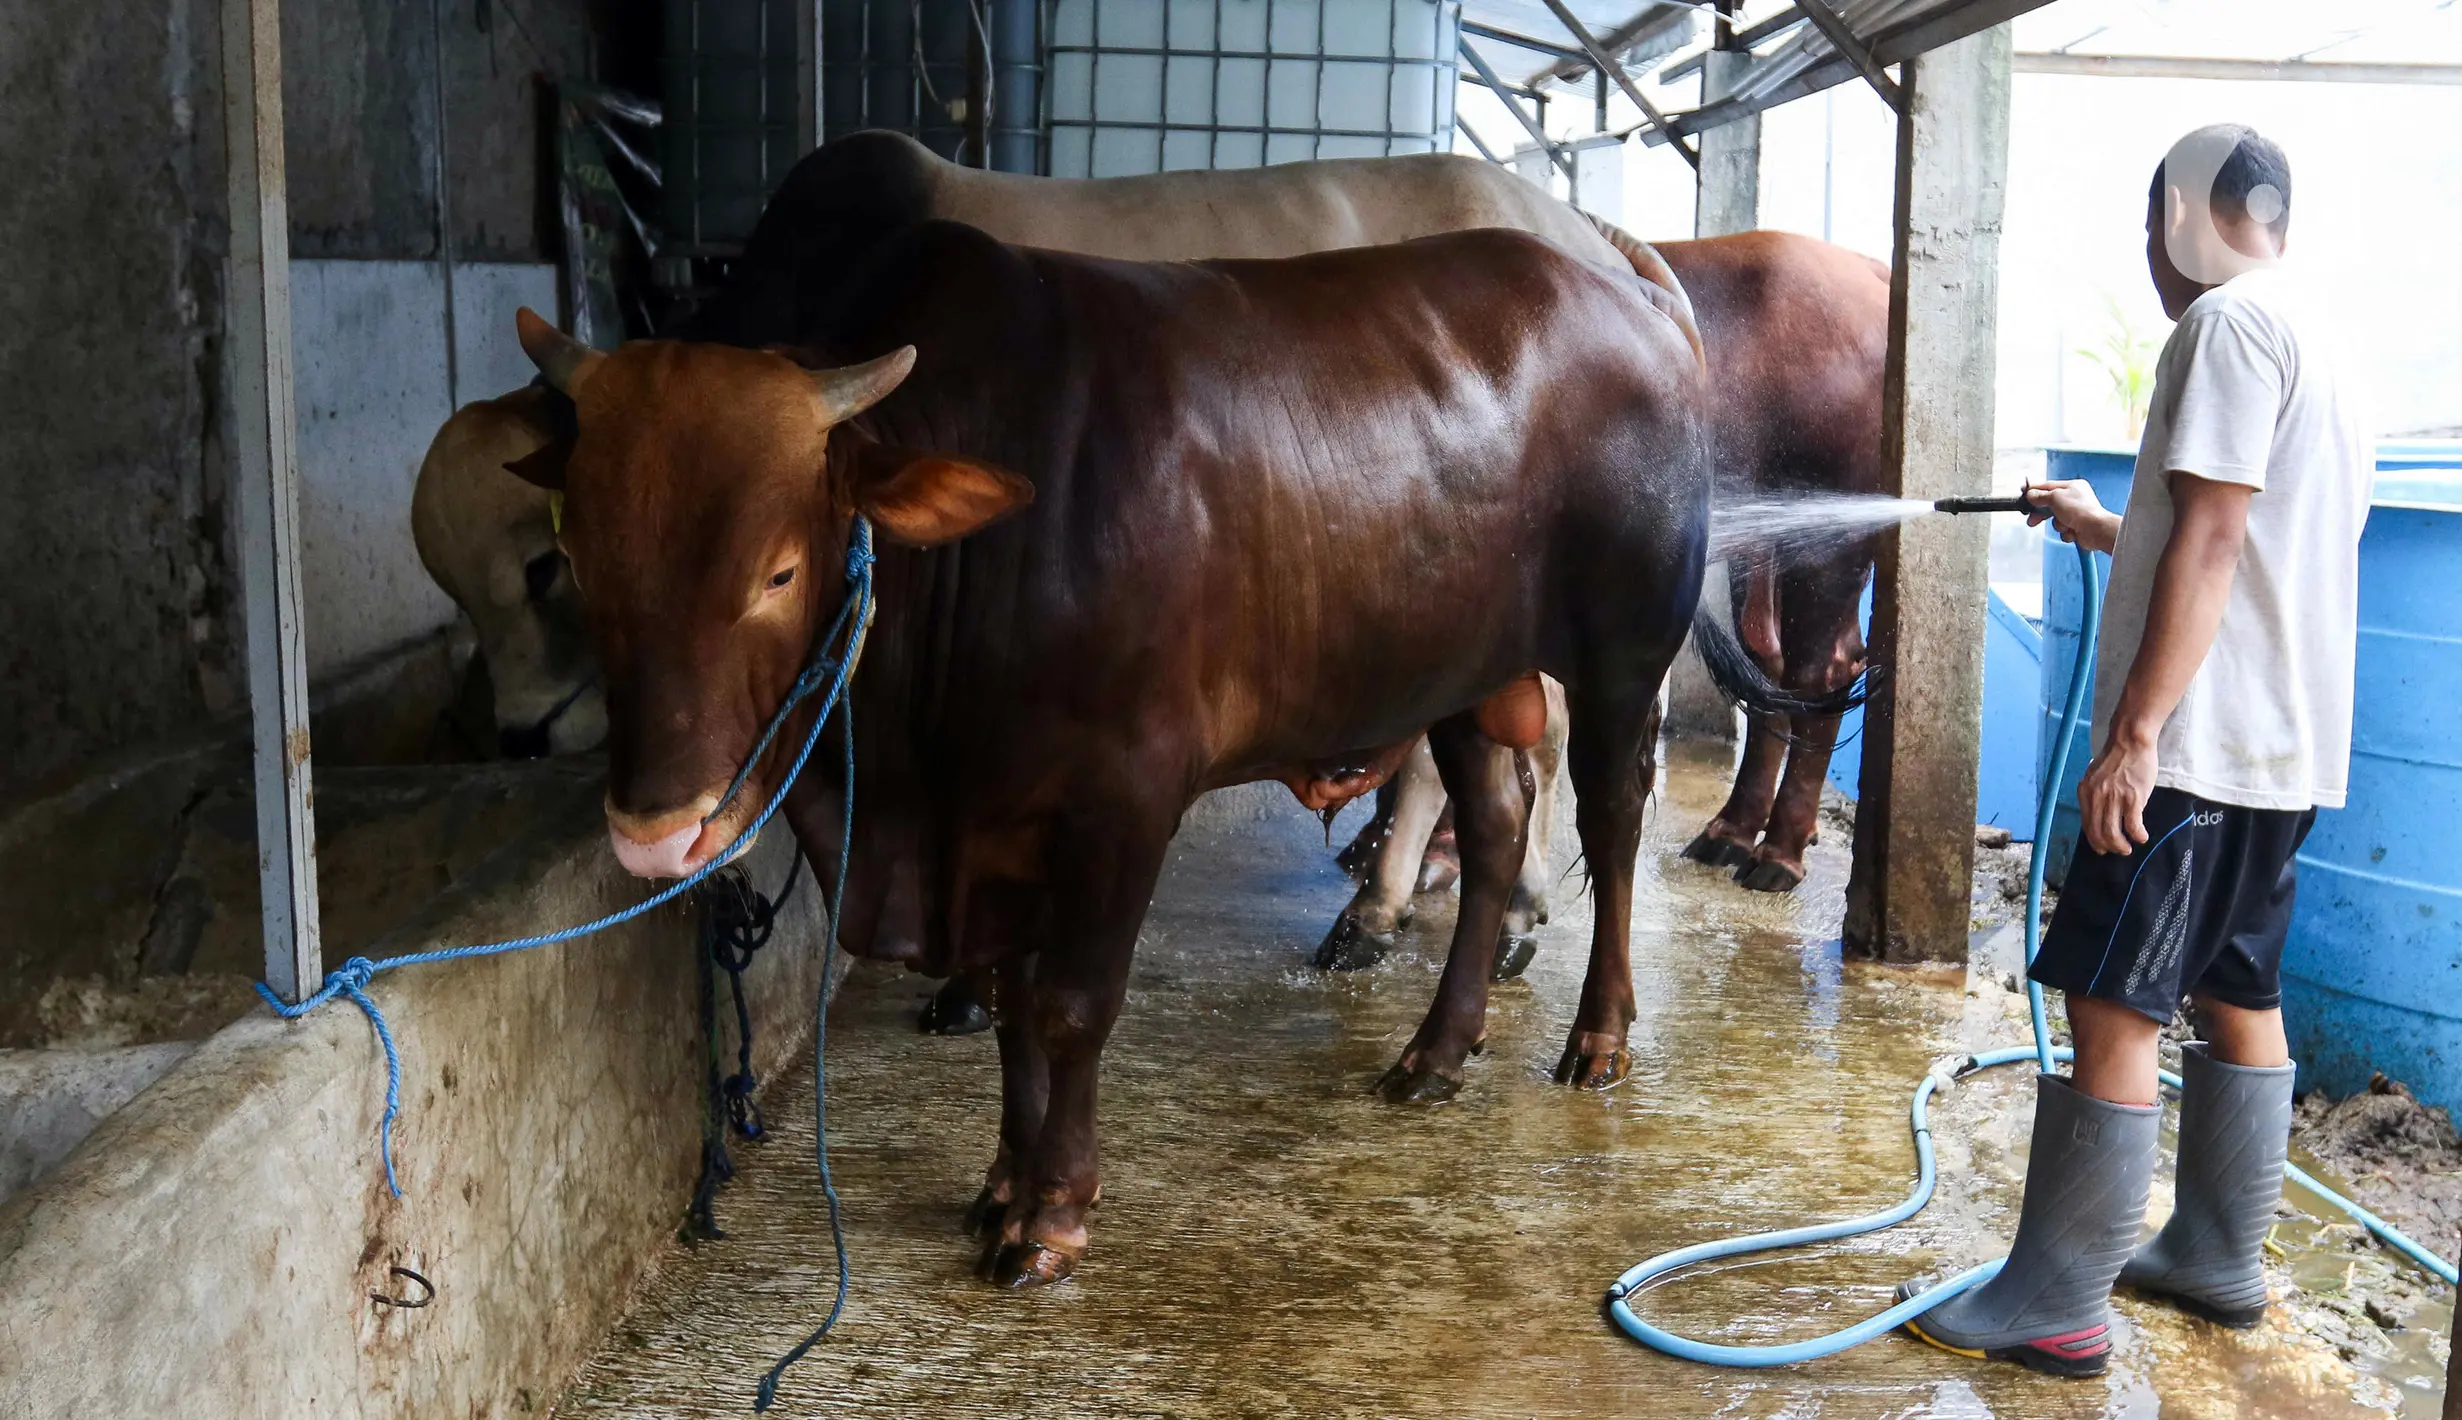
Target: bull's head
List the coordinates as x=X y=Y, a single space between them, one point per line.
x=489 y=540
x=707 y=511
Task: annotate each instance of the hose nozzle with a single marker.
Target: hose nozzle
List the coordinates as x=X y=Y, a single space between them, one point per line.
x=2017 y=504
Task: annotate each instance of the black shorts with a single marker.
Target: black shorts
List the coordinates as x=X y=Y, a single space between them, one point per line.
x=2201 y=907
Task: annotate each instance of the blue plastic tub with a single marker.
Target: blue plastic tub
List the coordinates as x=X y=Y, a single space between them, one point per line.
x=2005 y=789
x=2373 y=971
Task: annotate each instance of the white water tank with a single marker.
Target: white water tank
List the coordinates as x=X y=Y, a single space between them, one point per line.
x=1140 y=86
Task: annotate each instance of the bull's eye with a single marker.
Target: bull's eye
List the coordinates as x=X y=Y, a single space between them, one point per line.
x=781 y=577
x=539 y=573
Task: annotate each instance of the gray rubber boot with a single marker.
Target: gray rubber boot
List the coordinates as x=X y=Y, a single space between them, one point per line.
x=2235 y=1131
x=2086 y=1183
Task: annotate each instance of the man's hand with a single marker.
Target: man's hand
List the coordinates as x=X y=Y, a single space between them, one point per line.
x=2111 y=799
x=2075 y=512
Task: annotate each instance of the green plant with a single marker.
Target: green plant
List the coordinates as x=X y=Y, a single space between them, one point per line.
x=2126 y=356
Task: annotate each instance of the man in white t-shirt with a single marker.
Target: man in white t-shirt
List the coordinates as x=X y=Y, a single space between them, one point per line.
x=2222 y=723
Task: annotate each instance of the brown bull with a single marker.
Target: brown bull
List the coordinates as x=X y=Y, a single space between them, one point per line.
x=1269 y=520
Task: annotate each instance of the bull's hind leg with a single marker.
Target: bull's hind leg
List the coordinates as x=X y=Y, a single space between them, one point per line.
x=1363 y=934
x=1726 y=841
x=1104 y=875
x=1613 y=763
x=1822 y=641
x=1491 y=812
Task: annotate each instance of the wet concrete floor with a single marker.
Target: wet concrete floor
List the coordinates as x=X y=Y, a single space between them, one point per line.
x=1274 y=1241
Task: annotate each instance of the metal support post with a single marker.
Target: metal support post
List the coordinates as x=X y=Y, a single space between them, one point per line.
x=1909 y=894
x=807 y=76
x=265 y=499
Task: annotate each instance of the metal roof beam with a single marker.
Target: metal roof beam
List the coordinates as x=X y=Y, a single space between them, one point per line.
x=1844 y=41
x=2160 y=66
x=1624 y=37
x=1520 y=41
x=1504 y=96
x=1624 y=81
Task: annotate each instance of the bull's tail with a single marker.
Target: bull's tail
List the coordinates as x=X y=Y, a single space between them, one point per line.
x=1654 y=270
x=1740 y=678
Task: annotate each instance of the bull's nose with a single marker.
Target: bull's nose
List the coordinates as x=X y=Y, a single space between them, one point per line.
x=667 y=857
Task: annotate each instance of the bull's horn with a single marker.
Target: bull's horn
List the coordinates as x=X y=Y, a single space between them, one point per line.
x=851 y=390
x=565 y=362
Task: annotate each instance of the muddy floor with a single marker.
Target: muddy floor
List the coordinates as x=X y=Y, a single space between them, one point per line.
x=1275 y=1242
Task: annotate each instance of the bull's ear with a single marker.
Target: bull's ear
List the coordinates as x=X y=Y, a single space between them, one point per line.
x=544 y=414
x=543 y=465
x=925 y=499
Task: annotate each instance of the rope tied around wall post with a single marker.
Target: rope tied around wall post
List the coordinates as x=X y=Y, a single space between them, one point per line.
x=847 y=629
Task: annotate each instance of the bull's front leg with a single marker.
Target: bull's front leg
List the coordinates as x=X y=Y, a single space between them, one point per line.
x=1491 y=814
x=1025 y=1094
x=1364 y=933
x=1103 y=881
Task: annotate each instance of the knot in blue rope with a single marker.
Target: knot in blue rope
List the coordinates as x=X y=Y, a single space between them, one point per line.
x=859 y=557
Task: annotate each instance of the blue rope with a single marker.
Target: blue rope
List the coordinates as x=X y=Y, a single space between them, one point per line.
x=854 y=619
x=2042 y=1054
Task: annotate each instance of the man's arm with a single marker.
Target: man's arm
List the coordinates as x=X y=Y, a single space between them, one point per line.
x=2192 y=584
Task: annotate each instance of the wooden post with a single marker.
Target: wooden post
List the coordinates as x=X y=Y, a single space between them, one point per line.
x=265 y=484
x=1908 y=895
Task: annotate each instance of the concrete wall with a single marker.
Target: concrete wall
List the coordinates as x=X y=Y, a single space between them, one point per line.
x=115 y=586
x=118 y=595
x=368 y=339
x=210 y=1249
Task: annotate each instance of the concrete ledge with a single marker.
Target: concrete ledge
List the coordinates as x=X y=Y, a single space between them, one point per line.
x=211 y=1249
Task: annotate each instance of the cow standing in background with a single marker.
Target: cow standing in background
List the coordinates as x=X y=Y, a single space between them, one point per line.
x=1270 y=519
x=1796 y=333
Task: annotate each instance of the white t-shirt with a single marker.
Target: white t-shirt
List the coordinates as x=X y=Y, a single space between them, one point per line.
x=2250 y=390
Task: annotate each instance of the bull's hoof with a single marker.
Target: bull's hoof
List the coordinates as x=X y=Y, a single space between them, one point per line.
x=1358 y=856
x=1716 y=851
x=985 y=1215
x=1439 y=870
x=1590 y=1069
x=1020 y=1265
x=1350 y=946
x=1769 y=875
x=1417 y=1084
x=1513 y=953
x=953 y=1010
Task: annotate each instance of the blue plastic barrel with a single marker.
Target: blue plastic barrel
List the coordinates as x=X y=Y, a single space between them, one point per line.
x=2005 y=786
x=2109 y=472
x=2373 y=970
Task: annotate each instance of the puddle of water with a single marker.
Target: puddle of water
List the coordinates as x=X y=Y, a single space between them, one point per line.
x=1275 y=1242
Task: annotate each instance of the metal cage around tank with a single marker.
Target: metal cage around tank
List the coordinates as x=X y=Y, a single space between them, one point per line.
x=1136 y=86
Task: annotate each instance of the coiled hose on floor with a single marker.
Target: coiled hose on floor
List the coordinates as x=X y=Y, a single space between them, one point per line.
x=2043 y=1055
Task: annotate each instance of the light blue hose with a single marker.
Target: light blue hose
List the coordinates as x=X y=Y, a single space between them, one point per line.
x=2042 y=1055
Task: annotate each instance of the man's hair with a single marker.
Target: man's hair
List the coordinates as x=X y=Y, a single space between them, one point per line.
x=2256 y=162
